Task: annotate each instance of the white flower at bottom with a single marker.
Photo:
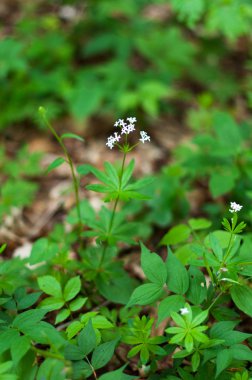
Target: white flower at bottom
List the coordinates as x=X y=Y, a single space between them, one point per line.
x=184 y=311
x=235 y=207
x=144 y=137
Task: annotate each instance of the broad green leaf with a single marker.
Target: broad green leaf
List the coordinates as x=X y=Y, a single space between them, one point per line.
x=103 y=353
x=72 y=288
x=197 y=290
x=62 y=315
x=51 y=369
x=71 y=136
x=117 y=375
x=176 y=235
x=241 y=352
x=19 y=348
x=42 y=250
x=55 y=164
x=169 y=304
x=177 y=275
x=242 y=297
x=7 y=338
x=50 y=286
x=223 y=360
x=28 y=318
x=221 y=183
x=215 y=245
x=73 y=352
x=5 y=367
x=153 y=266
x=28 y=300
x=73 y=329
x=51 y=303
x=199 y=224
x=145 y=294
x=77 y=303
x=87 y=339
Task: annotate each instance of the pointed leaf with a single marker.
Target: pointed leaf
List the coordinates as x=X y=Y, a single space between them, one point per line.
x=55 y=164
x=71 y=136
x=153 y=266
x=145 y=294
x=103 y=353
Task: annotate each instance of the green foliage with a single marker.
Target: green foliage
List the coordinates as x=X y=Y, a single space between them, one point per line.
x=17 y=189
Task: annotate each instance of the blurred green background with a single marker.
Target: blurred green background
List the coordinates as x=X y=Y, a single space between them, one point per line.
x=106 y=59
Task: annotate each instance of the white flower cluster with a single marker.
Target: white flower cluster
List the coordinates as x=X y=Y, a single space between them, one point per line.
x=126 y=127
x=235 y=207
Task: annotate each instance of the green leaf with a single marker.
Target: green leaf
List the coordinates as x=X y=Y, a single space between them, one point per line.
x=215 y=246
x=117 y=375
x=50 y=286
x=103 y=353
x=199 y=318
x=72 y=288
x=177 y=275
x=195 y=361
x=176 y=235
x=77 y=303
x=223 y=360
x=153 y=266
x=51 y=303
x=241 y=352
x=242 y=297
x=5 y=367
x=188 y=342
x=62 y=315
x=19 y=348
x=87 y=339
x=2 y=248
x=199 y=224
x=7 y=338
x=128 y=173
x=73 y=352
x=28 y=318
x=197 y=291
x=55 y=164
x=42 y=250
x=221 y=183
x=145 y=294
x=71 y=136
x=73 y=329
x=169 y=304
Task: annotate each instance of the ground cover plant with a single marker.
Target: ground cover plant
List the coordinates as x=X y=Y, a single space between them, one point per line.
x=183 y=321
x=112 y=268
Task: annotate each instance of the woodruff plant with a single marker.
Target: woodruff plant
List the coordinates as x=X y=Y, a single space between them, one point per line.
x=191 y=329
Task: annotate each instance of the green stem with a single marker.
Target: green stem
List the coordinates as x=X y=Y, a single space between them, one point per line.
x=94 y=373
x=71 y=165
x=215 y=300
x=114 y=208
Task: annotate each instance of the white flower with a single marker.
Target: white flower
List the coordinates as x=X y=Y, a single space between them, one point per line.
x=131 y=120
x=119 y=123
x=184 y=311
x=144 y=137
x=235 y=207
x=131 y=128
x=116 y=137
